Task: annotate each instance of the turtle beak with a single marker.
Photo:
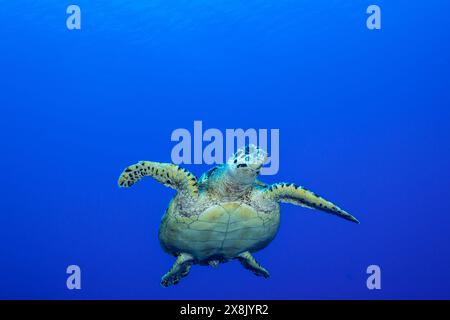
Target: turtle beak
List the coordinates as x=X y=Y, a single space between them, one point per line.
x=250 y=156
x=246 y=163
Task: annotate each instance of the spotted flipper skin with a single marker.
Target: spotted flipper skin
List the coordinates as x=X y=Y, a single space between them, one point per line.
x=291 y=193
x=179 y=270
x=168 y=174
x=249 y=263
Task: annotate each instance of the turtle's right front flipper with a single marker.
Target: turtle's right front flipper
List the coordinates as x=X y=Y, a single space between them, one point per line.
x=291 y=193
x=168 y=174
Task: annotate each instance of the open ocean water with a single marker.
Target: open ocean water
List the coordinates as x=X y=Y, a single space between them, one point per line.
x=363 y=118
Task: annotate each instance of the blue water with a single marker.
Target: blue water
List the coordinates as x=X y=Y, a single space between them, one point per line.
x=363 y=118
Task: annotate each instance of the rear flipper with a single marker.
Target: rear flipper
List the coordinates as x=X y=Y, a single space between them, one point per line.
x=250 y=263
x=179 y=270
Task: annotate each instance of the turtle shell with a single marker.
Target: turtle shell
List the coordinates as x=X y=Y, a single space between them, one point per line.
x=220 y=232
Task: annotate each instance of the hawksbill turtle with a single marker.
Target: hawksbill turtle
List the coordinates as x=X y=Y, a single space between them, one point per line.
x=226 y=214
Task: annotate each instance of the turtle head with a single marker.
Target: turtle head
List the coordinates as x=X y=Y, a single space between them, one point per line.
x=244 y=166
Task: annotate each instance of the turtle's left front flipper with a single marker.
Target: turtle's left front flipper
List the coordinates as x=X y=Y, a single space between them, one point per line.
x=291 y=193
x=168 y=174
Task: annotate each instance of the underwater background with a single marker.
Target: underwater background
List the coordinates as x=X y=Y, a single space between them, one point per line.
x=363 y=118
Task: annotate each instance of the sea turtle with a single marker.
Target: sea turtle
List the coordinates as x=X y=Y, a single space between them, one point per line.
x=226 y=214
